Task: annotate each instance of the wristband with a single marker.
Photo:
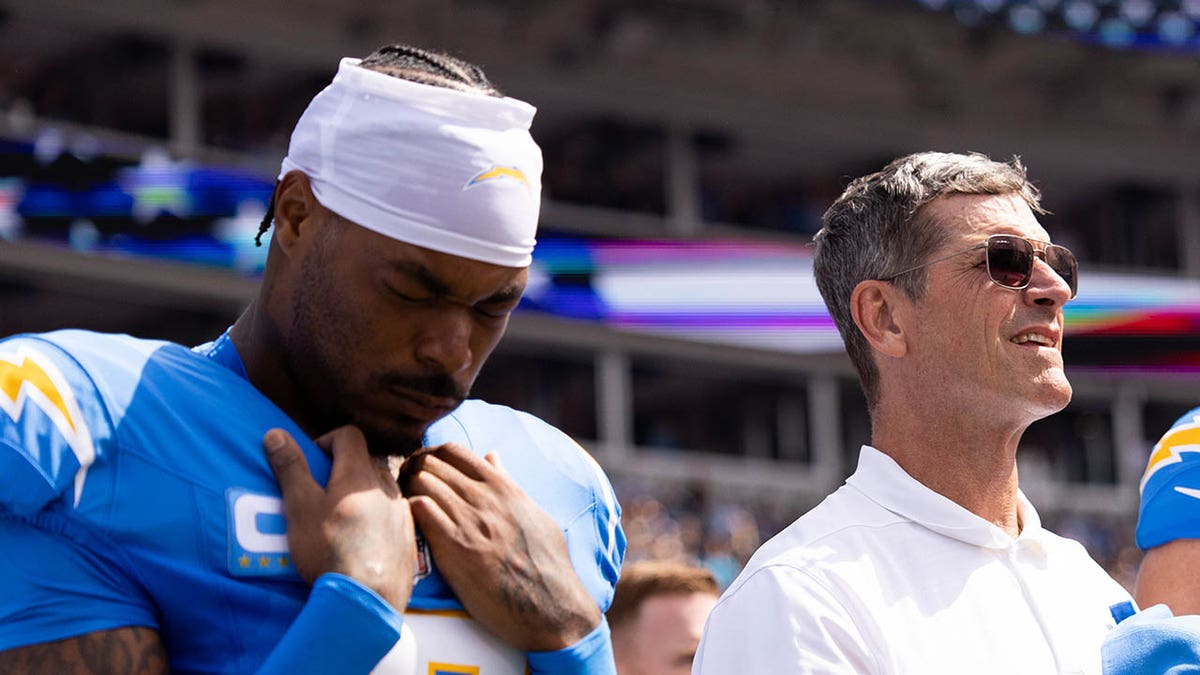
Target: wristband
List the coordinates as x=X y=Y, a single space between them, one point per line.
x=593 y=655
x=344 y=627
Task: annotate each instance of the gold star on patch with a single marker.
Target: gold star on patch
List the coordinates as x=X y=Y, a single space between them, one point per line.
x=283 y=561
x=244 y=561
x=264 y=561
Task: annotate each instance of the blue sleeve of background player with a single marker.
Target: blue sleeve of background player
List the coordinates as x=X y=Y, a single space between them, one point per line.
x=1170 y=505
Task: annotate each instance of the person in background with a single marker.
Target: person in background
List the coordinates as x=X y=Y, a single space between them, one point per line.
x=949 y=296
x=657 y=616
x=1168 y=527
x=1168 y=581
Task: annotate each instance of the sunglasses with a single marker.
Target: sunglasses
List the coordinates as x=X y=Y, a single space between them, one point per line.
x=1010 y=261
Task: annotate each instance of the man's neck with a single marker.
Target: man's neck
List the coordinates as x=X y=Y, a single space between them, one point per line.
x=261 y=348
x=969 y=460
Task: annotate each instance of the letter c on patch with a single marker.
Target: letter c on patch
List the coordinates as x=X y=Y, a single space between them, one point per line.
x=246 y=510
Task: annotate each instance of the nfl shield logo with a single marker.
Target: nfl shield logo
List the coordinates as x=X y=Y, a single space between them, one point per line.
x=424 y=561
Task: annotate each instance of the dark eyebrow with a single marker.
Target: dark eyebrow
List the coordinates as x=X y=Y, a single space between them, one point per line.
x=422 y=276
x=510 y=293
x=436 y=286
x=505 y=294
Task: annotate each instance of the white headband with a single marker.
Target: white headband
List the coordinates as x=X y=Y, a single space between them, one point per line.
x=448 y=170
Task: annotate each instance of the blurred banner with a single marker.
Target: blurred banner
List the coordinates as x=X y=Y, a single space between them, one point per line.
x=740 y=292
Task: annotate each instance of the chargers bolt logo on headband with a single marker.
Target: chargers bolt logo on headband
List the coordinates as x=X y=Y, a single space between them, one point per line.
x=499 y=172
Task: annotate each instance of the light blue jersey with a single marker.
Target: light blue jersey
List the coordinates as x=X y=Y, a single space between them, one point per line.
x=1170 y=507
x=134 y=492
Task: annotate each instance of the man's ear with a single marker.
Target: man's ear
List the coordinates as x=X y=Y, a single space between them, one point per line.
x=294 y=205
x=877 y=308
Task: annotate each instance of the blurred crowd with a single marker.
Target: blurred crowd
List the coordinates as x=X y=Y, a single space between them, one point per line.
x=721 y=539
x=694 y=529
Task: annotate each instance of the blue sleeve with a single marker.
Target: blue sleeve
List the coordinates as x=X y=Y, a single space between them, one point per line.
x=1170 y=504
x=344 y=628
x=1153 y=641
x=59 y=581
x=53 y=424
x=593 y=655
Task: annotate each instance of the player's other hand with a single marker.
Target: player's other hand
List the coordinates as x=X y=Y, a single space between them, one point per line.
x=504 y=557
x=359 y=525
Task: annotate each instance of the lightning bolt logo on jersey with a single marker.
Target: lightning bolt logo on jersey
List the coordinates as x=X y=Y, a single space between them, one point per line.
x=1170 y=506
x=136 y=492
x=35 y=394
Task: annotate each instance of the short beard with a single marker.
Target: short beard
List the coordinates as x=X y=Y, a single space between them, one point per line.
x=393 y=445
x=389 y=445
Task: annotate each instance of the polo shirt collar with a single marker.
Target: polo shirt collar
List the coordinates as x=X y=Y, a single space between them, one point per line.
x=884 y=482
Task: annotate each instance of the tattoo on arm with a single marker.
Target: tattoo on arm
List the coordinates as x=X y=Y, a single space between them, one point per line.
x=123 y=651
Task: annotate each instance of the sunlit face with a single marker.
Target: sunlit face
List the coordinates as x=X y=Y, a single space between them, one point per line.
x=995 y=347
x=663 y=638
x=390 y=336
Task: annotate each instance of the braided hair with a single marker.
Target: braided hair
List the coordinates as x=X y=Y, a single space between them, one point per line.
x=415 y=65
x=428 y=67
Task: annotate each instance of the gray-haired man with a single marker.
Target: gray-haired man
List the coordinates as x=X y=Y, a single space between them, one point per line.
x=949 y=297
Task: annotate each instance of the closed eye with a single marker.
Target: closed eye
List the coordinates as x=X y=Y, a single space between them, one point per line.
x=496 y=311
x=415 y=299
x=501 y=304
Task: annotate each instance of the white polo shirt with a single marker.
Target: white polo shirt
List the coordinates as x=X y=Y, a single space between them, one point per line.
x=888 y=576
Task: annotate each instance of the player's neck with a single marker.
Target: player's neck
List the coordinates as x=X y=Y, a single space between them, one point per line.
x=261 y=349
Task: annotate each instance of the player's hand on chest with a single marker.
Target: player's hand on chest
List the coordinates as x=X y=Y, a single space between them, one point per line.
x=504 y=557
